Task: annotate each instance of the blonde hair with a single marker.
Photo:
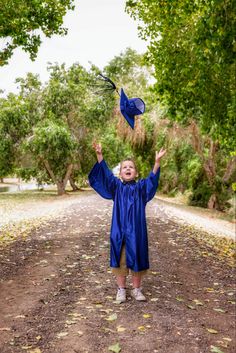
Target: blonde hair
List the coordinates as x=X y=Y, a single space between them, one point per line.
x=131 y=160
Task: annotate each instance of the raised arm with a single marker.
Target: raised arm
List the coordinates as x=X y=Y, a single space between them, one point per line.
x=158 y=157
x=101 y=177
x=149 y=185
x=98 y=150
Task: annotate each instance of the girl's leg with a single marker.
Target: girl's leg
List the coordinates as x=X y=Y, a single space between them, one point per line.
x=121 y=281
x=136 y=281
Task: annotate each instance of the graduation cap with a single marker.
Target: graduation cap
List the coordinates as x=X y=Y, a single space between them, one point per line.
x=129 y=107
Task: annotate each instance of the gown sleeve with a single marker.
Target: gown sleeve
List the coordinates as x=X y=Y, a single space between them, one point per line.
x=102 y=180
x=150 y=185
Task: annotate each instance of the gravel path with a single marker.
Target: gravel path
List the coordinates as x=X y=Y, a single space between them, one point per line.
x=195 y=217
x=57 y=291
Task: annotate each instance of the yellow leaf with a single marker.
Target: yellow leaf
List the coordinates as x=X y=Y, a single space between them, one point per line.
x=209 y=290
x=146 y=316
x=36 y=350
x=26 y=347
x=219 y=310
x=141 y=328
x=197 y=302
x=211 y=330
x=120 y=329
x=179 y=299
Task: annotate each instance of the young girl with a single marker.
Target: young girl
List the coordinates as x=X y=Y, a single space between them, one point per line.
x=128 y=238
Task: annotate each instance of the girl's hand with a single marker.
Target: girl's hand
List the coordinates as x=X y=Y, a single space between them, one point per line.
x=160 y=154
x=97 y=147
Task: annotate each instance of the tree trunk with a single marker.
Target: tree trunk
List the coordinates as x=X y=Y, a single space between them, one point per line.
x=60 y=188
x=213 y=202
x=1 y=180
x=72 y=184
x=61 y=184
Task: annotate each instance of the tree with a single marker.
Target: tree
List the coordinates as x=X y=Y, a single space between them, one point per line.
x=21 y=22
x=53 y=148
x=192 y=47
x=14 y=126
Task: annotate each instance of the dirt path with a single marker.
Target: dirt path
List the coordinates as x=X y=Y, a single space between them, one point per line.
x=57 y=292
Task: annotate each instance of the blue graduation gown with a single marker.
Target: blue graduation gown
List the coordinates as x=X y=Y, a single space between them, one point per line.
x=128 y=217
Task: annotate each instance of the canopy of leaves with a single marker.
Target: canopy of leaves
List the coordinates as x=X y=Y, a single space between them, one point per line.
x=21 y=22
x=192 y=47
x=53 y=143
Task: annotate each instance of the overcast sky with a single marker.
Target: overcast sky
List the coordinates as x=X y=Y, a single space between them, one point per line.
x=98 y=30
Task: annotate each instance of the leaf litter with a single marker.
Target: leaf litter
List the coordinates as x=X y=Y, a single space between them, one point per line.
x=77 y=296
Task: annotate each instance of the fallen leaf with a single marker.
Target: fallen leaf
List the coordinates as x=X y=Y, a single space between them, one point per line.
x=211 y=330
x=20 y=317
x=112 y=317
x=154 y=299
x=5 y=329
x=179 y=299
x=223 y=344
x=209 y=290
x=62 y=334
x=191 y=307
x=197 y=302
x=146 y=316
x=115 y=348
x=219 y=310
x=107 y=329
x=70 y=322
x=120 y=329
x=141 y=328
x=36 y=350
x=216 y=349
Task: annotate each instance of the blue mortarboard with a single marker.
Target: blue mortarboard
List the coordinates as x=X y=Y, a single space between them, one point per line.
x=131 y=107
x=128 y=107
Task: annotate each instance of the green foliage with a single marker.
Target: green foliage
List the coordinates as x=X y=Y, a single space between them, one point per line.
x=114 y=148
x=192 y=47
x=53 y=143
x=14 y=125
x=201 y=194
x=20 y=21
x=6 y=156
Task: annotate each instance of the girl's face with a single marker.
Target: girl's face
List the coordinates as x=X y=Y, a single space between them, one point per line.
x=128 y=171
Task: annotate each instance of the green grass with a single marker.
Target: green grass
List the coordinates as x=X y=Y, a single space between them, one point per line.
x=28 y=195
